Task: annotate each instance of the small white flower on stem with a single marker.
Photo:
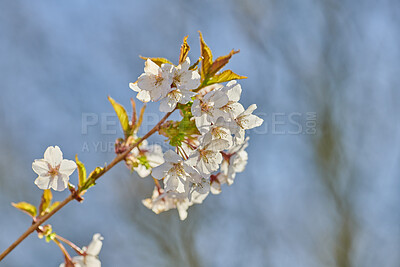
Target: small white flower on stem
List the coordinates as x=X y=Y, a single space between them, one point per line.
x=206 y=109
x=245 y=121
x=53 y=170
x=155 y=80
x=185 y=79
x=174 y=97
x=218 y=101
x=207 y=157
x=218 y=130
x=91 y=252
x=176 y=173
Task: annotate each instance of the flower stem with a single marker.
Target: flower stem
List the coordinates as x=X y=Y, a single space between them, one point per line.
x=72 y=245
x=116 y=160
x=64 y=251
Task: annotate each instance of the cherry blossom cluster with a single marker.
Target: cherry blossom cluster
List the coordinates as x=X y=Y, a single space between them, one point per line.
x=212 y=150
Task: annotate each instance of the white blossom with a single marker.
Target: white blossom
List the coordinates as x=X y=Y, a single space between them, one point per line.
x=218 y=130
x=245 y=121
x=183 y=80
x=207 y=157
x=53 y=170
x=144 y=158
x=206 y=109
x=218 y=101
x=174 y=97
x=176 y=173
x=155 y=80
x=90 y=259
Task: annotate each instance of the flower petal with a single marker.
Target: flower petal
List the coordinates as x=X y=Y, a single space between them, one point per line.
x=95 y=246
x=146 y=82
x=171 y=156
x=182 y=210
x=220 y=99
x=250 y=109
x=150 y=67
x=43 y=182
x=67 y=167
x=234 y=92
x=134 y=87
x=53 y=155
x=40 y=166
x=59 y=182
x=143 y=96
x=251 y=121
x=161 y=171
x=217 y=145
x=215 y=188
x=142 y=171
x=184 y=66
x=168 y=103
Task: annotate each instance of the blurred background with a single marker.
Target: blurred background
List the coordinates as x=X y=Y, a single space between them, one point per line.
x=322 y=185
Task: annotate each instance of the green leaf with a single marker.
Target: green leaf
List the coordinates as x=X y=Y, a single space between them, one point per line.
x=207 y=58
x=178 y=131
x=45 y=202
x=122 y=116
x=158 y=60
x=26 y=207
x=185 y=48
x=225 y=76
x=53 y=206
x=96 y=172
x=91 y=181
x=81 y=171
x=220 y=62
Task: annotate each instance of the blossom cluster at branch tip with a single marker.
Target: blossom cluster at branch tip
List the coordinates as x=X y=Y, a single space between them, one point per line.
x=210 y=141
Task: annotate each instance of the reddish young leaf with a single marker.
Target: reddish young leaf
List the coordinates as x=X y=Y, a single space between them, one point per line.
x=220 y=62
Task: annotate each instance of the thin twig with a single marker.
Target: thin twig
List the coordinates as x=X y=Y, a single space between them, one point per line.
x=64 y=251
